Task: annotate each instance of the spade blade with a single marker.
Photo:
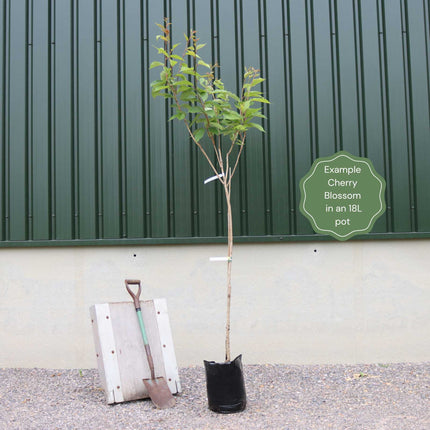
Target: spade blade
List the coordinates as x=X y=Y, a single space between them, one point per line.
x=159 y=393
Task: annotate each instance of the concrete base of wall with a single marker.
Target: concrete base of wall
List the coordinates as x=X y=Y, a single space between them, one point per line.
x=325 y=302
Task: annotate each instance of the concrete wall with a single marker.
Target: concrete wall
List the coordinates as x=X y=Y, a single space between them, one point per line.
x=301 y=302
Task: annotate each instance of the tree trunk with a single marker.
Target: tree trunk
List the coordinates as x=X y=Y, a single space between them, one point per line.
x=229 y=262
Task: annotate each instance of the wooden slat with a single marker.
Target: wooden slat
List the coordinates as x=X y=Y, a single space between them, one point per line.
x=167 y=346
x=107 y=352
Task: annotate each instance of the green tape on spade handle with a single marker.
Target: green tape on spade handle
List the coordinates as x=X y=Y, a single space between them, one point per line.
x=142 y=327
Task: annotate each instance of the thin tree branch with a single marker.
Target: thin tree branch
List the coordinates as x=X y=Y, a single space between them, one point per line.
x=242 y=145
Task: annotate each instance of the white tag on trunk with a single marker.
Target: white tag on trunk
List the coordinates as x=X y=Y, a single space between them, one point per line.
x=212 y=178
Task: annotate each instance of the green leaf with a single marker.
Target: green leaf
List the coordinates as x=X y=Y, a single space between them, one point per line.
x=158 y=87
x=256 y=82
x=162 y=51
x=188 y=96
x=214 y=130
x=232 y=116
x=195 y=109
x=180 y=116
x=183 y=83
x=156 y=64
x=210 y=112
x=259 y=100
x=250 y=94
x=176 y=57
x=203 y=94
x=199 y=133
x=201 y=45
x=252 y=113
x=257 y=126
x=198 y=119
x=245 y=106
x=214 y=124
x=157 y=83
x=240 y=127
x=202 y=63
x=187 y=70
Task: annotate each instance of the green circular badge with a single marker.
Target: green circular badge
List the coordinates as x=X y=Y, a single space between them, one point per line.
x=342 y=195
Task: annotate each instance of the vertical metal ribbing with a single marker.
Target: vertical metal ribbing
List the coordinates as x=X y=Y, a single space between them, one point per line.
x=264 y=67
x=98 y=116
x=360 y=81
x=193 y=150
x=313 y=132
x=426 y=19
x=409 y=114
x=238 y=40
x=214 y=32
x=403 y=122
x=336 y=75
x=75 y=118
x=52 y=142
x=216 y=29
x=169 y=149
x=216 y=55
x=289 y=119
x=6 y=196
x=242 y=172
x=361 y=116
x=146 y=96
x=29 y=133
x=385 y=101
x=3 y=87
x=122 y=119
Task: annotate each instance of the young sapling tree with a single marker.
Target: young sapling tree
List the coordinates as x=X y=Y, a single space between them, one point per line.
x=210 y=111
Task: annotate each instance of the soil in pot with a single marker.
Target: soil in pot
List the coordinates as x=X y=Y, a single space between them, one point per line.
x=225 y=386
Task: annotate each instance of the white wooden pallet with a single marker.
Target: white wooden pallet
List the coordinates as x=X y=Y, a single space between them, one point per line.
x=120 y=352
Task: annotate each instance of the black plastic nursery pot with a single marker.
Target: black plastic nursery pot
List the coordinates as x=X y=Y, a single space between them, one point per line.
x=225 y=386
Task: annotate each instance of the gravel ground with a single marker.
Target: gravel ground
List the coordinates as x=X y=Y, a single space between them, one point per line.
x=379 y=396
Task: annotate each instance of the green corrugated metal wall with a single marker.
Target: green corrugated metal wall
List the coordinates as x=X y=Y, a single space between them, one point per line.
x=88 y=157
